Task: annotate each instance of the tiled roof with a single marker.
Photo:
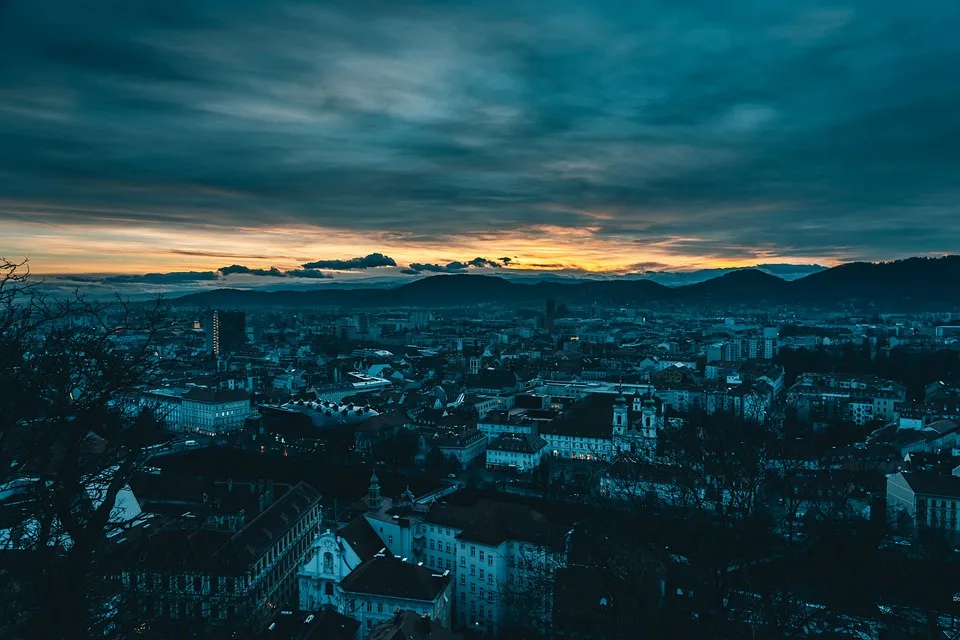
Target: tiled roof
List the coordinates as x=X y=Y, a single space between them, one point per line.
x=394 y=578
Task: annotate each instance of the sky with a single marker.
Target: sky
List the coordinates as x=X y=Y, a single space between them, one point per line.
x=193 y=135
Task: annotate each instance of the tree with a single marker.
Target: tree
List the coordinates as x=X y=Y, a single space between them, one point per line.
x=453 y=464
x=71 y=437
x=434 y=461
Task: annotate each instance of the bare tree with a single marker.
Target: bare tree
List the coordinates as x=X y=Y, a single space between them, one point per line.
x=71 y=437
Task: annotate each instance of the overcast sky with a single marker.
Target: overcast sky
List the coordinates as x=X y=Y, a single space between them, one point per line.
x=182 y=135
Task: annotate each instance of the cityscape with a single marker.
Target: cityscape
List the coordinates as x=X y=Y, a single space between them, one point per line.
x=462 y=320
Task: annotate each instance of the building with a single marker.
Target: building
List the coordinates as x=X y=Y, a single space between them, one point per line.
x=919 y=500
x=202 y=410
x=503 y=559
x=463 y=443
x=520 y=452
x=372 y=592
x=822 y=398
x=335 y=554
x=199 y=577
x=226 y=331
x=599 y=426
x=410 y=625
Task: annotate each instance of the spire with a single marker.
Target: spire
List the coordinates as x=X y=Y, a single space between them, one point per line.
x=373 y=493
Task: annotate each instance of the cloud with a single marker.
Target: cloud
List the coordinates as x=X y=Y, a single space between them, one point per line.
x=214 y=254
x=307 y=273
x=175 y=277
x=505 y=260
x=372 y=260
x=236 y=268
x=452 y=267
x=771 y=129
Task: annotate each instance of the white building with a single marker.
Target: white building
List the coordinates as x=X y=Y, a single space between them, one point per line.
x=522 y=452
x=201 y=410
x=374 y=590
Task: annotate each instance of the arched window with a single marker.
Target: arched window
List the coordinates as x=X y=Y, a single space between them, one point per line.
x=328 y=562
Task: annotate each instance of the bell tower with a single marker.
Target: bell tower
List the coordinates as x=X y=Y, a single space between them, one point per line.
x=620 y=418
x=373 y=493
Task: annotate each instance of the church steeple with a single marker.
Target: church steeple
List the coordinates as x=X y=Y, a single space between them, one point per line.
x=373 y=493
x=619 y=415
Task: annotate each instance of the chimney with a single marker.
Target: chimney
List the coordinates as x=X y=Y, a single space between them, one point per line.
x=398 y=615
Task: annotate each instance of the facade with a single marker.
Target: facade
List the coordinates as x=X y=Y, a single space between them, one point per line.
x=522 y=452
x=372 y=592
x=205 y=577
x=226 y=331
x=924 y=501
x=202 y=410
x=825 y=397
x=466 y=445
x=503 y=559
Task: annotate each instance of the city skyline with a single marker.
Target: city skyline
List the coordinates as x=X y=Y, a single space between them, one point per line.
x=593 y=138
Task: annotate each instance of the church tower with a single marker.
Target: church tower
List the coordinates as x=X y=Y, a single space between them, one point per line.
x=620 y=418
x=373 y=494
x=648 y=419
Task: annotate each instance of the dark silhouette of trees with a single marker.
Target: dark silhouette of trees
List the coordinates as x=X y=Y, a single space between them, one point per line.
x=71 y=436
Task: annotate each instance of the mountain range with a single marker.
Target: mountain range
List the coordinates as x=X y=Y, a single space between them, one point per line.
x=913 y=283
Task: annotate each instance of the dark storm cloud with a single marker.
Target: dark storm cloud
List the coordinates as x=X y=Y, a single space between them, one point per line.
x=308 y=273
x=790 y=127
x=236 y=268
x=176 y=277
x=370 y=261
x=452 y=267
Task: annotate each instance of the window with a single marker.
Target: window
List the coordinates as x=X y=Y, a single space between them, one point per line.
x=328 y=562
x=473 y=570
x=389 y=539
x=473 y=588
x=369 y=623
x=379 y=607
x=448 y=563
x=463 y=597
x=481 y=574
x=448 y=547
x=432 y=544
x=463 y=579
x=489 y=561
x=481 y=592
x=473 y=551
x=328 y=588
x=463 y=561
x=369 y=606
x=490 y=578
x=481 y=556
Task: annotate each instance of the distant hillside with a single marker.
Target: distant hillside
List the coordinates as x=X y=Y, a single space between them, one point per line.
x=921 y=283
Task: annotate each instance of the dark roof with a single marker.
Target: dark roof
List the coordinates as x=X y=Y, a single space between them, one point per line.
x=933 y=484
x=490 y=522
x=182 y=545
x=492 y=379
x=362 y=538
x=331 y=625
x=211 y=396
x=394 y=578
x=528 y=443
x=259 y=534
x=410 y=625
